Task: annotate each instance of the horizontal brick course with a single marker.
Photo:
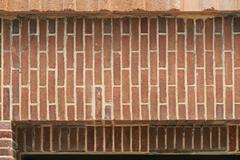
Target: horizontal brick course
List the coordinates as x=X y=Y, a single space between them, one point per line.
x=139 y=68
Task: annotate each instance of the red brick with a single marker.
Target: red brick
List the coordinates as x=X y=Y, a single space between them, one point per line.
x=37 y=139
x=34 y=86
x=88 y=26
x=15 y=113
x=64 y=138
x=232 y=138
x=154 y=103
x=181 y=51
x=219 y=86
x=199 y=51
x=228 y=33
x=171 y=33
x=171 y=68
x=219 y=111
x=218 y=50
x=144 y=138
x=61 y=70
x=215 y=136
x=201 y=111
x=125 y=86
x=81 y=139
x=135 y=138
x=209 y=34
x=99 y=139
x=108 y=139
x=144 y=51
x=42 y=33
x=15 y=86
x=153 y=33
x=200 y=85
x=134 y=68
x=236 y=51
x=223 y=137
x=190 y=34
x=210 y=102
x=70 y=112
x=153 y=68
x=6 y=68
x=73 y=137
x=181 y=86
x=43 y=103
x=61 y=103
x=116 y=34
x=162 y=86
x=6 y=104
x=135 y=34
x=98 y=102
x=24 y=103
x=191 y=103
x=97 y=34
x=15 y=51
x=6 y=34
x=51 y=86
x=206 y=138
x=229 y=103
x=237 y=85
x=52 y=112
x=162 y=51
x=172 y=102
x=179 y=138
x=125 y=25
x=118 y=138
x=145 y=112
x=46 y=138
x=126 y=139
x=51 y=52
x=70 y=25
x=144 y=86
x=70 y=86
x=116 y=68
x=170 y=138
x=98 y=68
x=126 y=112
x=135 y=103
x=34 y=112
x=209 y=68
x=70 y=54
x=43 y=70
x=60 y=34
x=152 y=138
x=197 y=138
x=108 y=85
x=107 y=51
x=125 y=51
x=88 y=52
x=182 y=111
x=79 y=34
x=88 y=88
x=107 y=25
x=190 y=68
x=80 y=103
x=228 y=68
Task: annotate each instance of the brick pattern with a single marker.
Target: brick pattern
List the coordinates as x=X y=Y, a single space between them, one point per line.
x=7 y=141
x=149 y=68
x=133 y=138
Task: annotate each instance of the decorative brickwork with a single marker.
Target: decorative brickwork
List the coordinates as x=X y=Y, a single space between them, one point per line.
x=152 y=68
x=125 y=138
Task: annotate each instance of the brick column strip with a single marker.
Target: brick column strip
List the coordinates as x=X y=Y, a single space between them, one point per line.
x=7 y=141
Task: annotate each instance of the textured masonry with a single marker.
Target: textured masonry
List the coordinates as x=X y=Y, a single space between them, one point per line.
x=131 y=70
x=150 y=68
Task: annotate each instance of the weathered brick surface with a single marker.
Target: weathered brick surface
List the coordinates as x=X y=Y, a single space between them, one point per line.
x=150 y=68
x=128 y=138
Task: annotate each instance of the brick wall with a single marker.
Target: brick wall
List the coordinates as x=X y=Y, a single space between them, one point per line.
x=128 y=138
x=152 y=68
x=138 y=68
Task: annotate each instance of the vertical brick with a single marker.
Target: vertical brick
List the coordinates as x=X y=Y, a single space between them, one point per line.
x=37 y=139
x=162 y=25
x=81 y=139
x=172 y=102
x=209 y=34
x=197 y=138
x=125 y=51
x=88 y=89
x=181 y=51
x=162 y=51
x=99 y=138
x=153 y=103
x=60 y=70
x=188 y=138
x=15 y=51
x=64 y=138
x=171 y=68
x=116 y=68
x=179 y=138
x=79 y=35
x=70 y=54
x=126 y=139
x=107 y=51
x=70 y=25
x=97 y=34
x=116 y=102
x=228 y=33
x=229 y=103
x=90 y=138
x=118 y=139
x=43 y=34
x=108 y=139
x=43 y=103
x=34 y=86
x=199 y=51
x=190 y=34
x=73 y=137
x=215 y=136
x=232 y=137
x=209 y=68
x=46 y=138
x=79 y=69
x=70 y=86
x=6 y=34
x=144 y=138
x=144 y=51
x=88 y=26
x=125 y=25
x=135 y=138
x=116 y=34
x=236 y=50
x=161 y=138
x=6 y=68
x=15 y=86
x=55 y=138
x=218 y=50
x=206 y=138
x=228 y=68
x=61 y=104
x=135 y=103
x=223 y=137
x=70 y=112
x=153 y=33
x=43 y=69
x=219 y=86
x=144 y=86
x=125 y=86
x=80 y=103
x=190 y=68
x=6 y=103
x=162 y=86
x=237 y=85
x=191 y=103
x=98 y=68
x=51 y=52
x=210 y=102
x=60 y=34
x=153 y=68
x=152 y=138
x=88 y=52
x=181 y=86
x=134 y=68
x=170 y=138
x=135 y=34
x=171 y=33
x=51 y=86
x=33 y=52
x=200 y=85
x=98 y=101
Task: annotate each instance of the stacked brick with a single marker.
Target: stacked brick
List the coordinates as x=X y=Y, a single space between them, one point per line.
x=125 y=138
x=139 y=68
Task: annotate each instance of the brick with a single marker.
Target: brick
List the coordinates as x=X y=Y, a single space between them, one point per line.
x=70 y=54
x=152 y=138
x=51 y=86
x=228 y=103
x=162 y=25
x=80 y=103
x=15 y=86
x=144 y=138
x=171 y=33
x=70 y=86
x=107 y=25
x=97 y=34
x=6 y=34
x=210 y=102
x=107 y=51
x=197 y=138
x=60 y=34
x=15 y=51
x=180 y=25
x=172 y=102
x=42 y=33
x=46 y=138
x=171 y=68
x=153 y=33
x=43 y=103
x=134 y=68
x=209 y=34
x=228 y=33
x=79 y=69
x=206 y=138
x=43 y=70
x=81 y=139
x=108 y=85
x=88 y=52
x=237 y=85
x=70 y=25
x=154 y=103
x=215 y=136
x=223 y=137
x=70 y=112
x=219 y=86
x=126 y=139
x=199 y=25
x=153 y=68
x=218 y=24
x=170 y=138
x=108 y=139
x=181 y=51
x=51 y=52
x=144 y=51
x=190 y=34
x=236 y=51
x=179 y=138
x=228 y=68
x=98 y=102
x=135 y=103
x=135 y=34
x=162 y=51
x=125 y=86
x=182 y=111
x=161 y=138
x=118 y=138
x=209 y=68
x=144 y=86
x=188 y=138
x=52 y=112
x=64 y=138
x=116 y=34
x=88 y=89
x=116 y=68
x=135 y=138
x=33 y=51
x=126 y=112
x=162 y=86
x=181 y=86
x=79 y=34
x=33 y=25
x=200 y=85
x=6 y=68
x=88 y=26
x=191 y=103
x=51 y=26
x=99 y=139
x=232 y=138
x=218 y=51
x=199 y=51
x=60 y=70
x=61 y=103
x=34 y=86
